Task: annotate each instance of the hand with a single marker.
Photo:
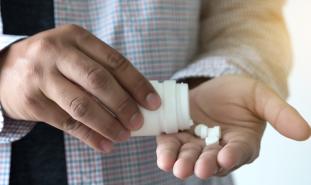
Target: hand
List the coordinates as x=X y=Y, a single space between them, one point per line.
x=240 y=106
x=73 y=81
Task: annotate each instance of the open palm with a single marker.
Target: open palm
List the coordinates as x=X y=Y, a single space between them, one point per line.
x=240 y=106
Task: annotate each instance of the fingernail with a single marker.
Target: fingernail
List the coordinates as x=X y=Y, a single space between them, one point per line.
x=136 y=121
x=153 y=100
x=124 y=135
x=106 y=146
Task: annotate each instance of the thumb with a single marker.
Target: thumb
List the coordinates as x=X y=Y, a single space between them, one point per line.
x=283 y=117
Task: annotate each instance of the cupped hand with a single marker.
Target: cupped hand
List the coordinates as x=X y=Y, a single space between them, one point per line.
x=240 y=106
x=77 y=83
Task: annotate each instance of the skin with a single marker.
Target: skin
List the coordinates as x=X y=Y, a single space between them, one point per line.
x=71 y=80
x=240 y=106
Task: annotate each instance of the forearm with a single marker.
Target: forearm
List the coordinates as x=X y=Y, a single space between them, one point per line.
x=249 y=35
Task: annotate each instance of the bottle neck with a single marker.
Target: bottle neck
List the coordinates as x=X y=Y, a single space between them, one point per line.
x=183 y=111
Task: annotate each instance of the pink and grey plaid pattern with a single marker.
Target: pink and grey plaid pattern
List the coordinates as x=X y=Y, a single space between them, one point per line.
x=160 y=38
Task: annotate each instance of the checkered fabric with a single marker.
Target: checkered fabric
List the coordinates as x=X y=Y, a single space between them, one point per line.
x=160 y=37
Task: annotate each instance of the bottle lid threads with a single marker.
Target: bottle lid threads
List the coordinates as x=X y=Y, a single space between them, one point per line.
x=173 y=114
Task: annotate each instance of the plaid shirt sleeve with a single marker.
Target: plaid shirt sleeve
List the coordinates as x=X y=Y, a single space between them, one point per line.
x=6 y=40
x=12 y=130
x=243 y=37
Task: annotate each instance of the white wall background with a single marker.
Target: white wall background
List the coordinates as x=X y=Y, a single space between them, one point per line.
x=282 y=161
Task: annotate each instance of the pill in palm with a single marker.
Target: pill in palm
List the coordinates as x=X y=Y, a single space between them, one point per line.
x=215 y=131
x=211 y=135
x=211 y=140
x=201 y=131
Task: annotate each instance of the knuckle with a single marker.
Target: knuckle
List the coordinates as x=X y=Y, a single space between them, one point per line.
x=79 y=107
x=40 y=45
x=31 y=100
x=73 y=58
x=86 y=135
x=141 y=87
x=189 y=147
x=117 y=62
x=33 y=71
x=124 y=104
x=79 y=33
x=98 y=78
x=111 y=130
x=73 y=28
x=140 y=83
x=34 y=106
x=70 y=125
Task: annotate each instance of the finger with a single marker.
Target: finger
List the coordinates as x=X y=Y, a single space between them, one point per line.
x=235 y=154
x=167 y=151
x=99 y=82
x=80 y=106
x=283 y=117
x=133 y=81
x=206 y=165
x=58 y=118
x=188 y=155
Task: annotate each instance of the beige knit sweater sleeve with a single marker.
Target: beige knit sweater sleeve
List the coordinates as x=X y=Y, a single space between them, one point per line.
x=246 y=37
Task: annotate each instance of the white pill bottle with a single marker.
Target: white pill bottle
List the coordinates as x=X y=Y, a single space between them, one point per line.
x=173 y=114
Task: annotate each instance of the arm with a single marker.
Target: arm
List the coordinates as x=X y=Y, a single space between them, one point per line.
x=245 y=49
x=243 y=37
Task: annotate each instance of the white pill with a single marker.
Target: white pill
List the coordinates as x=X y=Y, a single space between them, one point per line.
x=201 y=131
x=211 y=140
x=215 y=131
x=211 y=135
x=214 y=134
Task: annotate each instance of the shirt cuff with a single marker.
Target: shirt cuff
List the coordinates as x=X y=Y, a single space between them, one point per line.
x=6 y=40
x=12 y=130
x=208 y=67
x=214 y=66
